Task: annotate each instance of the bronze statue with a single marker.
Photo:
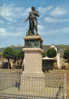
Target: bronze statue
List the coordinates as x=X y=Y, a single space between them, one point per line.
x=32 y=22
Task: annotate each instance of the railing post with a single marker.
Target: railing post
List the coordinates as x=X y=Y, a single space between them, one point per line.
x=65 y=85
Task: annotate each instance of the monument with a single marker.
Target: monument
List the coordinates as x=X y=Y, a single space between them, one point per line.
x=32 y=52
x=33 y=45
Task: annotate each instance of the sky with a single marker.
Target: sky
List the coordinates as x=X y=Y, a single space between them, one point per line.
x=53 y=23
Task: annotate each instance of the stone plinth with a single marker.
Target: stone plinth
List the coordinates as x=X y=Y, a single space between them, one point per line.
x=32 y=60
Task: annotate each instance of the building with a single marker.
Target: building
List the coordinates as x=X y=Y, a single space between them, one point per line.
x=51 y=63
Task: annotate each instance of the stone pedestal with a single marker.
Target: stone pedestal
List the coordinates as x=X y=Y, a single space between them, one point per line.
x=33 y=54
x=33 y=60
x=32 y=79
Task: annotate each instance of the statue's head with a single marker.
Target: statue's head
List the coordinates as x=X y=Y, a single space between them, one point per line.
x=33 y=8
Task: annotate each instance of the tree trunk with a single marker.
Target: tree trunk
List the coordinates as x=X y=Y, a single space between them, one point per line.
x=21 y=61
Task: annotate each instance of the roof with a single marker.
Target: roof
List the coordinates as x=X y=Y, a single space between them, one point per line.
x=47 y=58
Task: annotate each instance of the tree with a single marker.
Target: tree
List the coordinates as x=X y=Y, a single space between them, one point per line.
x=18 y=57
x=8 y=53
x=21 y=56
x=51 y=52
x=66 y=55
x=18 y=54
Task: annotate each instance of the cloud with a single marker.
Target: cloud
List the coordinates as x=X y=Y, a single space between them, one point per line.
x=5 y=32
x=26 y=11
x=1 y=21
x=10 y=12
x=55 y=15
x=2 y=30
x=64 y=30
x=58 y=11
x=44 y=10
x=40 y=27
x=55 y=20
x=50 y=20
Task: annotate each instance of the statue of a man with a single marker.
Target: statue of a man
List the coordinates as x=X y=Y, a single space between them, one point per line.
x=32 y=21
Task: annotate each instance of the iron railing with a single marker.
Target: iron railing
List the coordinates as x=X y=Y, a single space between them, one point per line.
x=17 y=86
